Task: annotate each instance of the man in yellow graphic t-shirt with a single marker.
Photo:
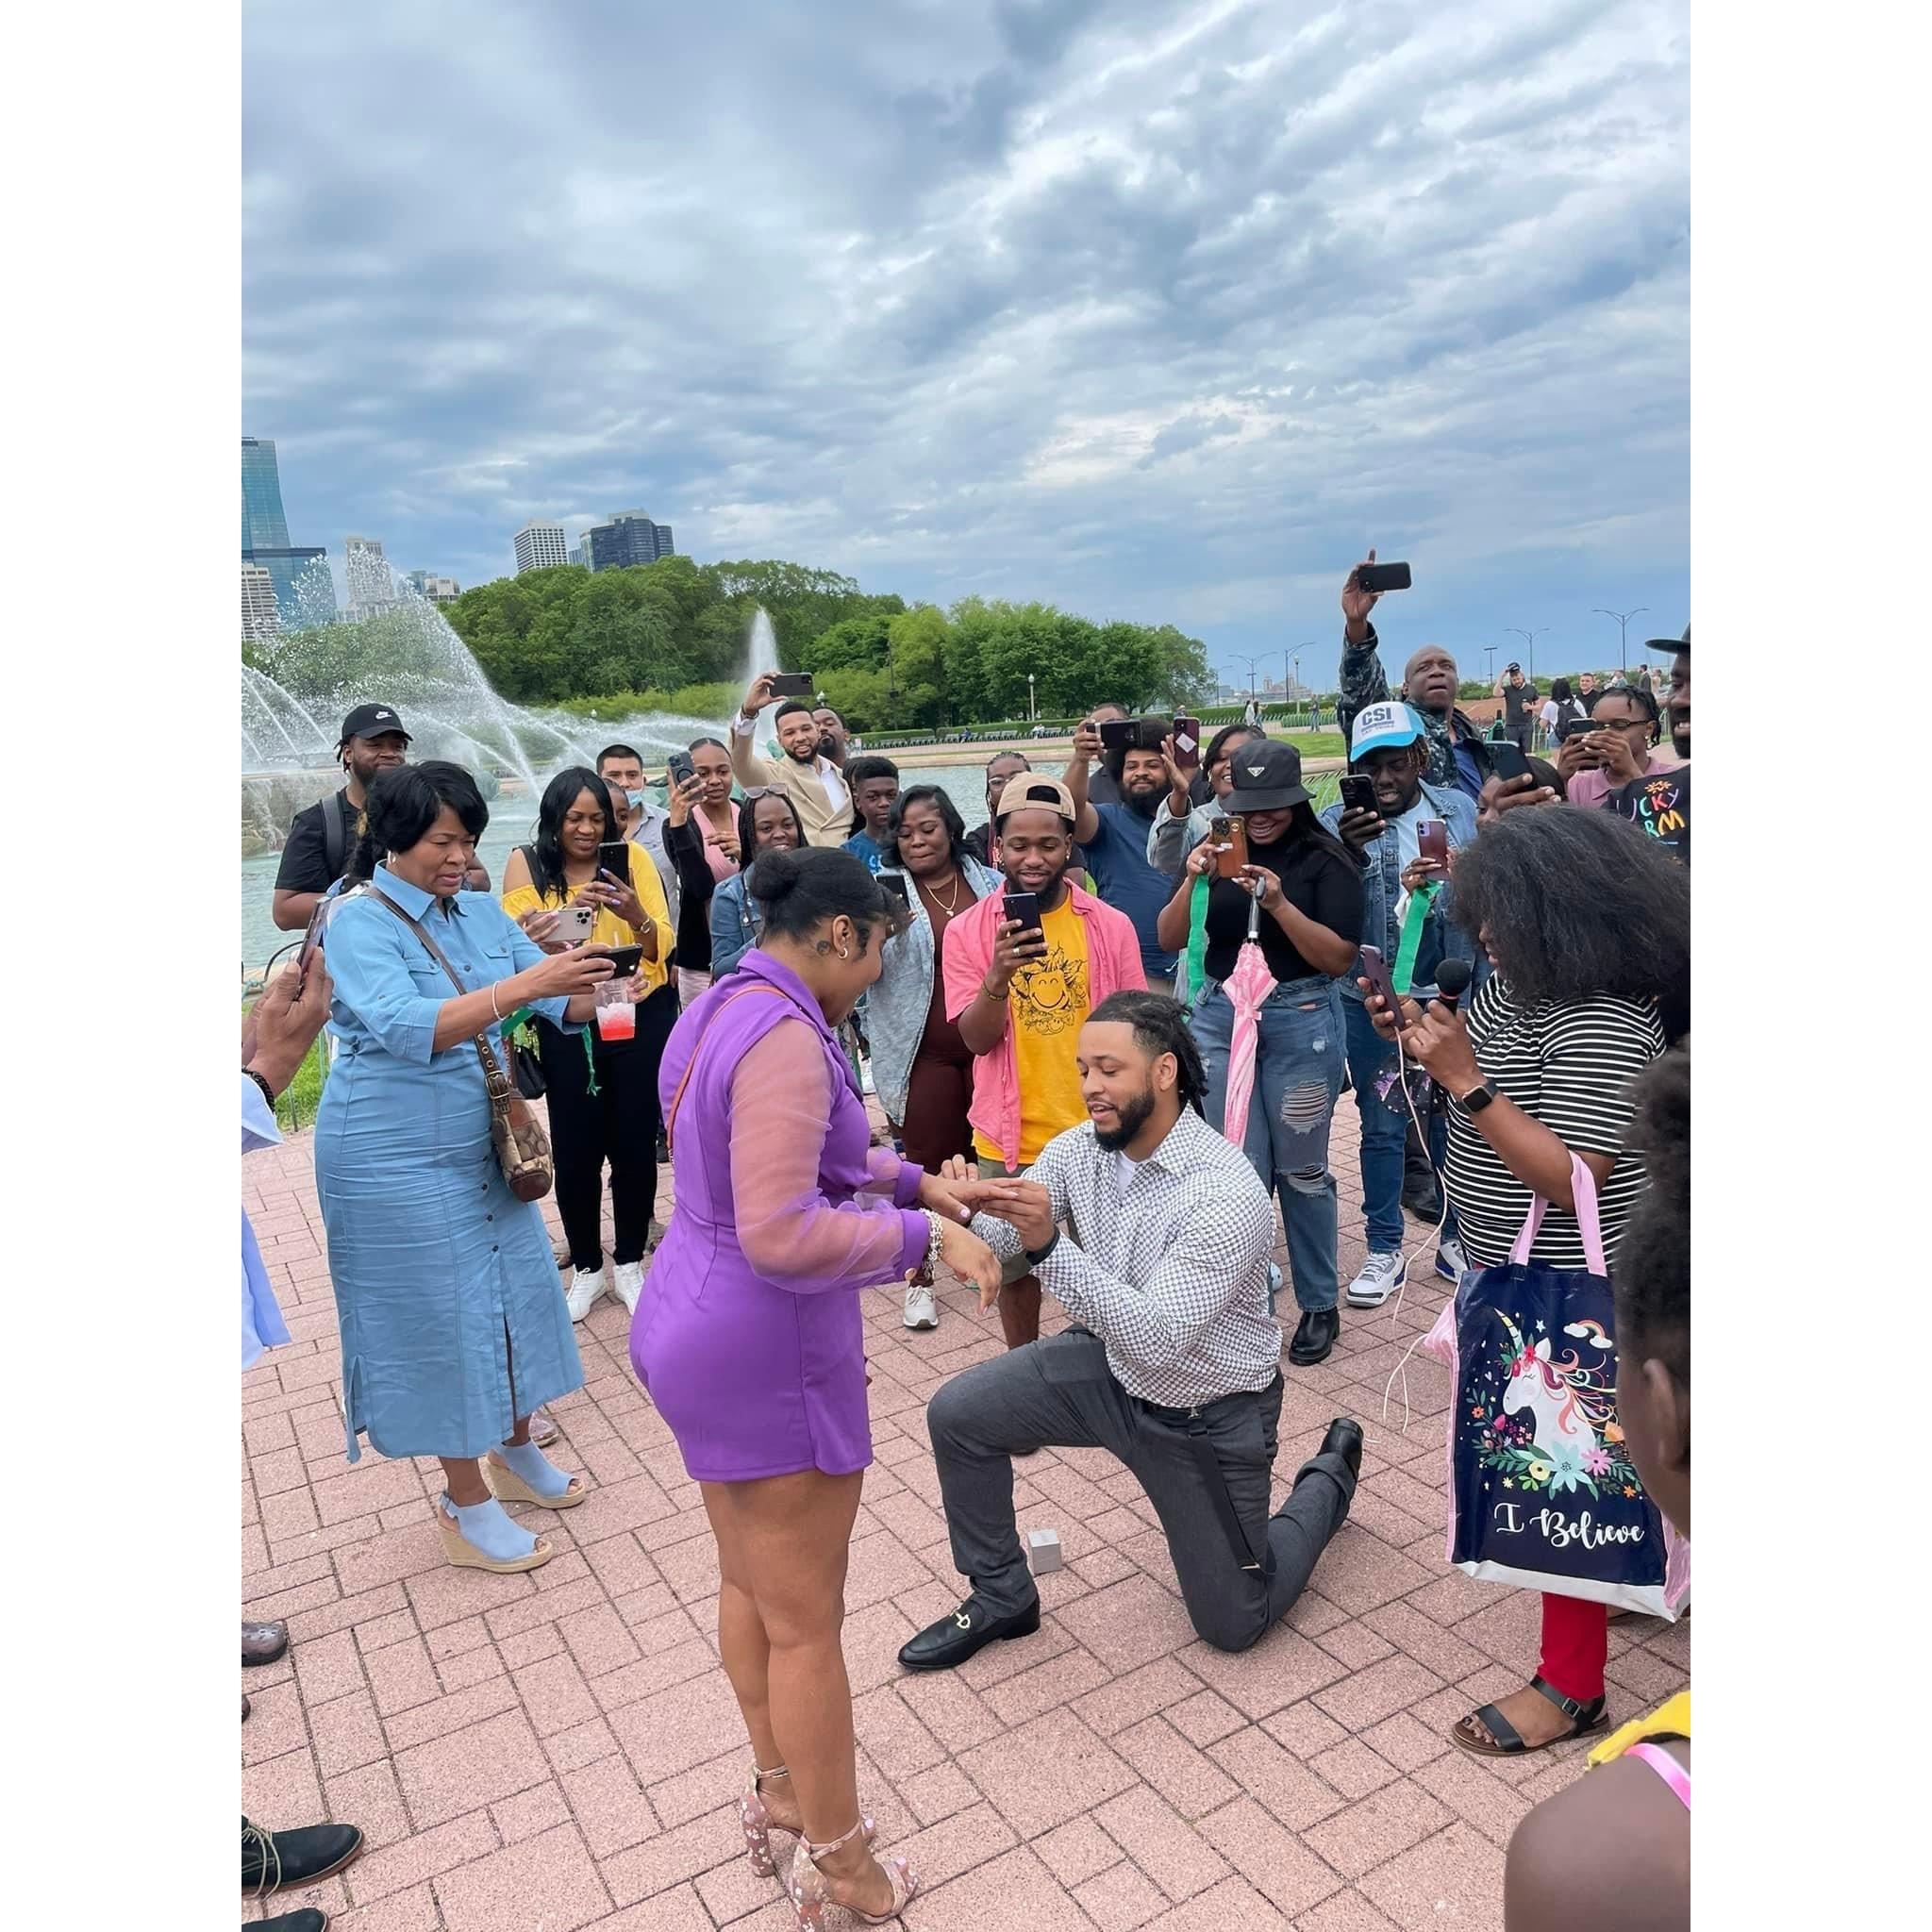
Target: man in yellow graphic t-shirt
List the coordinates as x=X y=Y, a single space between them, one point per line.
x=1019 y=996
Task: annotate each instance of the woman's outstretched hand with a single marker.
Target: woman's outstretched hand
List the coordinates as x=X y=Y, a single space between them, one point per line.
x=969 y=1257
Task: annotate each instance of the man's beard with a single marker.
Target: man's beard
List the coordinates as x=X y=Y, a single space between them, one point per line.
x=808 y=756
x=1046 y=893
x=828 y=748
x=1133 y=1118
x=1145 y=803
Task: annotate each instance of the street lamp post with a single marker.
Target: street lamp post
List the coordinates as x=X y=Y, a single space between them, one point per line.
x=1529 y=638
x=1032 y=708
x=1490 y=650
x=1622 y=618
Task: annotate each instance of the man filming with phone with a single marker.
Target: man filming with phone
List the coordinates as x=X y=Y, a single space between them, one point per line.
x=813 y=782
x=1022 y=968
x=1457 y=755
x=1115 y=838
x=1385 y=803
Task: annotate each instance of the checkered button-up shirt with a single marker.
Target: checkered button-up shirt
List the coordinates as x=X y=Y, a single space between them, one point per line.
x=1171 y=1270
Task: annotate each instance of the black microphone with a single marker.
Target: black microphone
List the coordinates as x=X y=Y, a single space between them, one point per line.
x=1452 y=980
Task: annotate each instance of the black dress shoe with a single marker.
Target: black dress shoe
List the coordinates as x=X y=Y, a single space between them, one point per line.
x=273 y=1859
x=306 y=1920
x=948 y=1643
x=1345 y=1438
x=263 y=1643
x=1314 y=1337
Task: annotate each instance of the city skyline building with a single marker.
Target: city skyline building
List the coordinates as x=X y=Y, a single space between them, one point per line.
x=438 y=588
x=366 y=571
x=304 y=594
x=626 y=537
x=260 y=618
x=540 y=545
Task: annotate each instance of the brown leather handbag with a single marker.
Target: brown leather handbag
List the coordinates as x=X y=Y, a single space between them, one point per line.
x=522 y=1148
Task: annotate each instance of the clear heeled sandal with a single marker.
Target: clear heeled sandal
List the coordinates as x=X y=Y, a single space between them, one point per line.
x=810 y=1889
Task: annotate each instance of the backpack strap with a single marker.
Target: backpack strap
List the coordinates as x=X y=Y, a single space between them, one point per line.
x=335 y=834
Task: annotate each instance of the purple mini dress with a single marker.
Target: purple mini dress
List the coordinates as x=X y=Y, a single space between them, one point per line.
x=749 y=1335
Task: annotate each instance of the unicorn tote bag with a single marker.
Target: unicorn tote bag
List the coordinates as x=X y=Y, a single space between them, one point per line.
x=1543 y=1494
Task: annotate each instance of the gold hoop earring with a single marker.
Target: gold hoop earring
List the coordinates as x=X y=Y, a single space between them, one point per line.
x=844 y=954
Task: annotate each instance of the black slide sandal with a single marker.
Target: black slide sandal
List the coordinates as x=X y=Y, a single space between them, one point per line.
x=1585 y=1717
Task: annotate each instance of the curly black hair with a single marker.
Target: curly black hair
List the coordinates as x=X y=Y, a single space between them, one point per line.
x=1652 y=1276
x=1161 y=1024
x=1572 y=901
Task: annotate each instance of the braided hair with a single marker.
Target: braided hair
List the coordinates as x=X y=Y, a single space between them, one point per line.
x=1161 y=1024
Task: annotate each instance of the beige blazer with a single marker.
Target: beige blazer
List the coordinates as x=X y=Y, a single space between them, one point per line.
x=802 y=783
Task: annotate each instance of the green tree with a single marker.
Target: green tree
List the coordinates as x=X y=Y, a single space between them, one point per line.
x=854 y=643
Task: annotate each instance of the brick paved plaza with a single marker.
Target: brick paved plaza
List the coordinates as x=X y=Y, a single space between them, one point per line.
x=561 y=1750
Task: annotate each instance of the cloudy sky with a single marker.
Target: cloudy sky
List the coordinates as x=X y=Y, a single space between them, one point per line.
x=1154 y=310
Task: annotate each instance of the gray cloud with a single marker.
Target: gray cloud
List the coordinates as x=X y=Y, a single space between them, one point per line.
x=1157 y=311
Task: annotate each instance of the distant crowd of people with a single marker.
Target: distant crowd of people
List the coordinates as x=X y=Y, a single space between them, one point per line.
x=1108 y=1031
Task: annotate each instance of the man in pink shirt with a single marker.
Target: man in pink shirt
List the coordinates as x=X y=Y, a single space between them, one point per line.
x=1020 y=990
x=1621 y=749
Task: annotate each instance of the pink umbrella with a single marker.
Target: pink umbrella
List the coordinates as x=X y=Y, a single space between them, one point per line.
x=1248 y=986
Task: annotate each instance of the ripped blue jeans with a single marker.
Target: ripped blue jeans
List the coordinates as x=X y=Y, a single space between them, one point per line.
x=1303 y=1050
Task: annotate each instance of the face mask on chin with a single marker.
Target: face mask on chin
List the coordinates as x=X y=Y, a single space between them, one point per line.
x=636 y=799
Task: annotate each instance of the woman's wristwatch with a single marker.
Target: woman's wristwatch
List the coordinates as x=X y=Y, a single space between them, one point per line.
x=1478 y=1097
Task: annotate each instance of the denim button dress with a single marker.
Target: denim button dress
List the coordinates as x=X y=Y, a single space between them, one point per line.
x=453 y=1321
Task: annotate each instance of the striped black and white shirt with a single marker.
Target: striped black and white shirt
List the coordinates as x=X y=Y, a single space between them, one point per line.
x=1171 y=1269
x=1570 y=1064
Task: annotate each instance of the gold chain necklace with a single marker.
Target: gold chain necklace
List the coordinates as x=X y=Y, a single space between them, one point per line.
x=948 y=907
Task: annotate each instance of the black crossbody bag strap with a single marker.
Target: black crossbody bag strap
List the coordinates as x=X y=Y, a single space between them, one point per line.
x=1202 y=1445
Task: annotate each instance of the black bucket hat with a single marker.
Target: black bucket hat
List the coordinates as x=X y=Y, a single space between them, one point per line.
x=1267 y=777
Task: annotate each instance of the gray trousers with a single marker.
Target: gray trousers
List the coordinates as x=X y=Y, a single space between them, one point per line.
x=1059 y=1393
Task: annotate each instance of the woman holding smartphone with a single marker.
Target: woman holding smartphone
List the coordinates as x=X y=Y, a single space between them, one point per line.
x=767 y=822
x=920 y=1068
x=452 y=1328
x=1588 y=926
x=602 y=1093
x=1307 y=890
x=701 y=840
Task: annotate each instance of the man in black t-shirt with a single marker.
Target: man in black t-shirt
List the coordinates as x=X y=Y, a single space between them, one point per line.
x=321 y=839
x=1519 y=707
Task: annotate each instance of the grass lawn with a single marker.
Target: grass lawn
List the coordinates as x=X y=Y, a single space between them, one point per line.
x=296 y=1104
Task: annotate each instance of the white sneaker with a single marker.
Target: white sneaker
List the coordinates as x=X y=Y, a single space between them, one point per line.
x=1451 y=1264
x=1381 y=1276
x=586 y=1285
x=628 y=1283
x=921 y=1310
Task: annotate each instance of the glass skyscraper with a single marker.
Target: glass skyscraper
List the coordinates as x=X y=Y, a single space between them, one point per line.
x=304 y=594
x=629 y=537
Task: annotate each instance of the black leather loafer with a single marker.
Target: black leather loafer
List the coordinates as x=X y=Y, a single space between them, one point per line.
x=947 y=1644
x=1314 y=1337
x=1345 y=1438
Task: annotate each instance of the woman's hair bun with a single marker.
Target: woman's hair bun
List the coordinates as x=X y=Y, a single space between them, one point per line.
x=774 y=875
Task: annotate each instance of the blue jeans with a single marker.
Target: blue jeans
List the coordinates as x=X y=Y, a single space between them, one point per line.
x=1383 y=1130
x=1300 y=1053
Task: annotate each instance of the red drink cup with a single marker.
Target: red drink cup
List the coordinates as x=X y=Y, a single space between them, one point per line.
x=617 y=1019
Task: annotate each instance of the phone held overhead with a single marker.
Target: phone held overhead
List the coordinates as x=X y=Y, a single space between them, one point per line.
x=791 y=684
x=1378 y=578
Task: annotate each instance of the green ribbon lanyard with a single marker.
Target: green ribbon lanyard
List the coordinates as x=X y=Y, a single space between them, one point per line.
x=1195 y=958
x=1413 y=922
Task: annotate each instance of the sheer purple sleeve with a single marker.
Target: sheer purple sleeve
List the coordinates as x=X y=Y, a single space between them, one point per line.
x=780 y=1103
x=892 y=1174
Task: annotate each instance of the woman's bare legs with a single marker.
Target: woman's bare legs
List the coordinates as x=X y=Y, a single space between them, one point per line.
x=789 y=1537
x=463 y=1476
x=747 y=1653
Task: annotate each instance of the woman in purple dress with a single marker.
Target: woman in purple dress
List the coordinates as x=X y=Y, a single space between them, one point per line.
x=750 y=1340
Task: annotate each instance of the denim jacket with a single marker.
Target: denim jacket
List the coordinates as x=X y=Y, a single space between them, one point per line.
x=1382 y=892
x=897 y=1003
x=734 y=926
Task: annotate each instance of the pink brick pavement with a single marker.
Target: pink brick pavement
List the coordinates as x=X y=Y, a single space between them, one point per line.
x=560 y=1750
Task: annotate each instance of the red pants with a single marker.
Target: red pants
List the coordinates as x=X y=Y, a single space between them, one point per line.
x=1577 y=1642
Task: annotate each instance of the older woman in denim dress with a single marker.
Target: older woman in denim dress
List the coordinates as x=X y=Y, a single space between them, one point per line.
x=453 y=1325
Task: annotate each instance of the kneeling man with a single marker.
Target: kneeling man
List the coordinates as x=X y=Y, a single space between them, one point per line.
x=1174 y=1363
